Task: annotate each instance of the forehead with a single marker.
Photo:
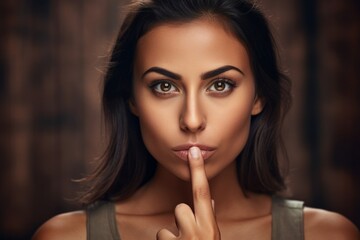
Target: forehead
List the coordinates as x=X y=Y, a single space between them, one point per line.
x=200 y=43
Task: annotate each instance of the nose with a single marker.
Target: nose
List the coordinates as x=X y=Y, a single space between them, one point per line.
x=192 y=118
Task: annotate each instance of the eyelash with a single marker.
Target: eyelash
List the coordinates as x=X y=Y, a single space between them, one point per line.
x=230 y=85
x=157 y=83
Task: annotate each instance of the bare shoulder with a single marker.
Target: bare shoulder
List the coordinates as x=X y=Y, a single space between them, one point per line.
x=321 y=224
x=70 y=225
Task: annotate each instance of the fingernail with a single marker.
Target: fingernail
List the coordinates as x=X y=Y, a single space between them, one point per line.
x=195 y=152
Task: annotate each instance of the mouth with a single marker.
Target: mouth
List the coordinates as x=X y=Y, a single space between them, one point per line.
x=182 y=151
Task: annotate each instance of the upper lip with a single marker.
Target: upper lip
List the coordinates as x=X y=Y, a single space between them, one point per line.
x=189 y=145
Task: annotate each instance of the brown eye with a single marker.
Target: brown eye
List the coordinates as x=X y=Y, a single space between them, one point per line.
x=165 y=86
x=219 y=86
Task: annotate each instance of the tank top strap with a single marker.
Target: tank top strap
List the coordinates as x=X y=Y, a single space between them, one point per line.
x=101 y=221
x=287 y=219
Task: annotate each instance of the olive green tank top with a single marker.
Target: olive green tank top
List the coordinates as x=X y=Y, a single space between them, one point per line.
x=287 y=220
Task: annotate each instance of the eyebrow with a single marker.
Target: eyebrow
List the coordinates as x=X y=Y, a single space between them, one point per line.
x=219 y=71
x=204 y=76
x=162 y=71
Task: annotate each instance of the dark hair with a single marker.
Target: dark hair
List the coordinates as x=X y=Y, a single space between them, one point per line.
x=126 y=164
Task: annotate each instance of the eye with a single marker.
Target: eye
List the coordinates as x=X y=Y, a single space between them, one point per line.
x=163 y=87
x=222 y=85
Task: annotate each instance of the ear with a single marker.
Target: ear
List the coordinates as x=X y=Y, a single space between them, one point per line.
x=133 y=107
x=257 y=106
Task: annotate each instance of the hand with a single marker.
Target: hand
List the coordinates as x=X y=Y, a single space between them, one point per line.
x=201 y=223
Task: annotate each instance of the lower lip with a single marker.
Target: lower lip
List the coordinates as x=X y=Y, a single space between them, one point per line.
x=183 y=154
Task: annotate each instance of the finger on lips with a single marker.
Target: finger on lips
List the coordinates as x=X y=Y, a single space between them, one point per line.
x=203 y=218
x=201 y=192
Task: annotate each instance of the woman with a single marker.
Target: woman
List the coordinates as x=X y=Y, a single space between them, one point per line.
x=194 y=101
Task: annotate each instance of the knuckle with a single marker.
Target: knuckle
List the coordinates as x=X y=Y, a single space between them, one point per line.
x=202 y=193
x=215 y=234
x=212 y=231
x=162 y=234
x=159 y=234
x=182 y=208
x=191 y=234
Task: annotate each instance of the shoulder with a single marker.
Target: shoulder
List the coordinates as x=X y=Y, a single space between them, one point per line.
x=321 y=224
x=70 y=225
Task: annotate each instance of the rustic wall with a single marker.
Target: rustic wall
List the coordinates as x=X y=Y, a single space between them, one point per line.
x=50 y=60
x=51 y=56
x=320 y=49
x=339 y=98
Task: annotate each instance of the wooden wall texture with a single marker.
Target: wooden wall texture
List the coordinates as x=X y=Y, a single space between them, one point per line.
x=52 y=53
x=51 y=56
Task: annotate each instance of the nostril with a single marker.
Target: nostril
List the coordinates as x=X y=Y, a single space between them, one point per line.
x=192 y=125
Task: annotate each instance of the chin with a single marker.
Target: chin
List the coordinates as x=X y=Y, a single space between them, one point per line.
x=184 y=175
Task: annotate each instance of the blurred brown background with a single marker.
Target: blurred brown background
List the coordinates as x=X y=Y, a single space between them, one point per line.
x=50 y=55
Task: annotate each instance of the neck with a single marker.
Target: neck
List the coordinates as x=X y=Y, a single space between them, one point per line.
x=165 y=191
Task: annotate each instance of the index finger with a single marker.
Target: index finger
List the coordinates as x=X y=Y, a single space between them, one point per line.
x=200 y=187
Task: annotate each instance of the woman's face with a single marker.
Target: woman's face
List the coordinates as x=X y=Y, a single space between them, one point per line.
x=193 y=85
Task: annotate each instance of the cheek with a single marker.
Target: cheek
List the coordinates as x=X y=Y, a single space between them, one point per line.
x=157 y=122
x=233 y=126
x=238 y=132
x=238 y=122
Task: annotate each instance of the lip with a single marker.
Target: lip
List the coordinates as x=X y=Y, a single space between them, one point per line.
x=182 y=151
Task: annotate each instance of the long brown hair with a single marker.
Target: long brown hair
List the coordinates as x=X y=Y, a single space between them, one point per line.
x=126 y=164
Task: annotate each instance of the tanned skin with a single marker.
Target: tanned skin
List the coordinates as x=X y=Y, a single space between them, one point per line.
x=194 y=95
